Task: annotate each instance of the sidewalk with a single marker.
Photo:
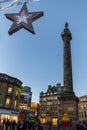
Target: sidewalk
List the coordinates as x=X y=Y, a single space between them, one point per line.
x=56 y=128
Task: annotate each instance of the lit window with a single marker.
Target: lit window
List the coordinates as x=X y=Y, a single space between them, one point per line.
x=81 y=100
x=51 y=93
x=17 y=92
x=7 y=103
x=55 y=97
x=81 y=106
x=84 y=99
x=84 y=106
x=10 y=90
x=44 y=99
x=47 y=93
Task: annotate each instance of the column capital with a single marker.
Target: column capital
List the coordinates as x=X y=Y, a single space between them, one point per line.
x=66 y=33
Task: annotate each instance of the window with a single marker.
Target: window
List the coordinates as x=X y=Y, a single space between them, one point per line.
x=15 y=104
x=7 y=103
x=44 y=99
x=84 y=106
x=49 y=103
x=55 y=97
x=85 y=114
x=81 y=100
x=55 y=108
x=81 y=107
x=48 y=93
x=10 y=90
x=51 y=93
x=17 y=92
x=84 y=99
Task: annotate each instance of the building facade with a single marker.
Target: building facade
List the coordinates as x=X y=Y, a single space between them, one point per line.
x=25 y=103
x=25 y=98
x=50 y=109
x=34 y=111
x=82 y=108
x=10 y=89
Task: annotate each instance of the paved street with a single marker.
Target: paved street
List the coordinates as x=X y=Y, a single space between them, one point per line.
x=56 y=128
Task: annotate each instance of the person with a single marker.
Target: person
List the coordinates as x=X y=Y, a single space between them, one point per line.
x=22 y=125
x=4 y=121
x=85 y=126
x=18 y=125
x=13 y=125
x=79 y=126
x=49 y=125
x=37 y=126
x=7 y=124
x=29 y=125
x=59 y=124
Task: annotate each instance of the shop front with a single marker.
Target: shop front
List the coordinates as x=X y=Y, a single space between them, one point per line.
x=43 y=120
x=8 y=114
x=53 y=120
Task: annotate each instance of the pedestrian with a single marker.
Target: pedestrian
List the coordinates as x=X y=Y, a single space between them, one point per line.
x=49 y=125
x=18 y=125
x=85 y=126
x=79 y=126
x=22 y=125
x=37 y=126
x=7 y=124
x=13 y=125
x=29 y=125
x=4 y=121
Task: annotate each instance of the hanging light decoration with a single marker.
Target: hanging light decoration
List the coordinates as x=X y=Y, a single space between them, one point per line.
x=13 y=3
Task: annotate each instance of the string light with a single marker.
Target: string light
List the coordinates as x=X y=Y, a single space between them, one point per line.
x=13 y=3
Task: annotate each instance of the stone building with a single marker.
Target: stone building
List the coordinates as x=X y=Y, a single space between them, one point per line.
x=10 y=89
x=82 y=108
x=49 y=102
x=61 y=99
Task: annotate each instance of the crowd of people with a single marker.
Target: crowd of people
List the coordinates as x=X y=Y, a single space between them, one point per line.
x=21 y=125
x=34 y=125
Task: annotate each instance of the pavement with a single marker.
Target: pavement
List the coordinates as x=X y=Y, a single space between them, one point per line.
x=56 y=128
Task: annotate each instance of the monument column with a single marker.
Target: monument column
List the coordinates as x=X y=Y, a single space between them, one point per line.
x=68 y=99
x=68 y=81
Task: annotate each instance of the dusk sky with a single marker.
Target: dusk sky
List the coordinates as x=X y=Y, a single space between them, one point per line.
x=37 y=60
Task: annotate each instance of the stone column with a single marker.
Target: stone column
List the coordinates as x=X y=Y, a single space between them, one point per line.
x=66 y=37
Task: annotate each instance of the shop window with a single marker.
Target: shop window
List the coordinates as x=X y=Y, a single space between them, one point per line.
x=5 y=116
x=10 y=90
x=7 y=103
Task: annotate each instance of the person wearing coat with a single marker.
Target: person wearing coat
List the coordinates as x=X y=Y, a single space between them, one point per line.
x=79 y=126
x=37 y=126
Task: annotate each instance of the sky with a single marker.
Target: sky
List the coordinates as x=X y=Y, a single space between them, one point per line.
x=37 y=60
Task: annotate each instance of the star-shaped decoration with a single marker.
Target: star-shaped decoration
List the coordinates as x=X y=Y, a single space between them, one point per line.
x=23 y=19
